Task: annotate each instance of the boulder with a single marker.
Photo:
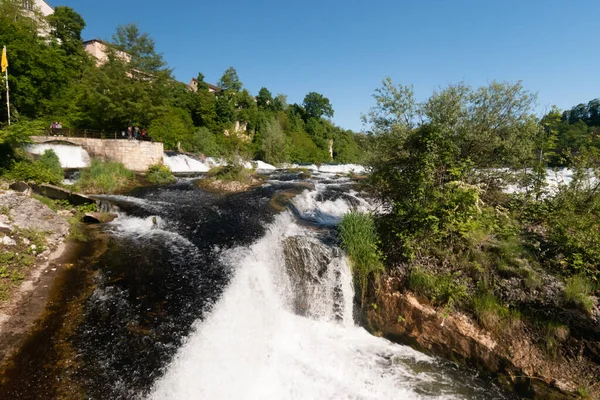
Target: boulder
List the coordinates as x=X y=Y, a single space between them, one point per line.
x=98 y=217
x=5 y=225
x=7 y=241
x=28 y=213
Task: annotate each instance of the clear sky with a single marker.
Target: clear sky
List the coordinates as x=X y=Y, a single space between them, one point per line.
x=344 y=48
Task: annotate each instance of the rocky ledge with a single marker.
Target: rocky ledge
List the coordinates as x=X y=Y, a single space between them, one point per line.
x=514 y=357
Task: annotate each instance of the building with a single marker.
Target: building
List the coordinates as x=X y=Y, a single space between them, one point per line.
x=40 y=5
x=98 y=49
x=211 y=88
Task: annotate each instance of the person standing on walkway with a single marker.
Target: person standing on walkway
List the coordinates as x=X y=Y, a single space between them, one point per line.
x=129 y=132
x=136 y=132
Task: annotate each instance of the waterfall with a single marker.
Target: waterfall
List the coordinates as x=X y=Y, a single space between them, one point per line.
x=179 y=163
x=283 y=329
x=70 y=156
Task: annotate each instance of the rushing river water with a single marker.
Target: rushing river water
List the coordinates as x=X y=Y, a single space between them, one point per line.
x=239 y=296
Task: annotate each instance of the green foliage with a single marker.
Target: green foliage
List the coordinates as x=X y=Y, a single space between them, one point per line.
x=231 y=173
x=440 y=289
x=172 y=127
x=317 y=106
x=230 y=80
x=492 y=315
x=359 y=239
x=577 y=292
x=274 y=144
x=45 y=170
x=104 y=177
x=205 y=142
x=159 y=174
x=18 y=134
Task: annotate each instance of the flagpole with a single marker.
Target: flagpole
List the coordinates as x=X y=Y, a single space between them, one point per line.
x=7 y=97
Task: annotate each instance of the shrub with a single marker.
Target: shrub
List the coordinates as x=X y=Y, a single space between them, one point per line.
x=577 y=292
x=45 y=170
x=205 y=142
x=441 y=289
x=159 y=174
x=104 y=177
x=274 y=144
x=231 y=172
x=359 y=238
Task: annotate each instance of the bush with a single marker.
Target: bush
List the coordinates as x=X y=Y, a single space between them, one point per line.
x=274 y=144
x=45 y=170
x=231 y=173
x=159 y=174
x=577 y=292
x=205 y=142
x=441 y=289
x=359 y=238
x=104 y=177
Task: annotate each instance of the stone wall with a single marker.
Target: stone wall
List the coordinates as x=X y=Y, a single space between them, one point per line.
x=136 y=155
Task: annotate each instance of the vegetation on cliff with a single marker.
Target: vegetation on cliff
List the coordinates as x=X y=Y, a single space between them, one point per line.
x=521 y=264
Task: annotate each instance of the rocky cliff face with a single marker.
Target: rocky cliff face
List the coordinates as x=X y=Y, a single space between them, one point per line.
x=514 y=357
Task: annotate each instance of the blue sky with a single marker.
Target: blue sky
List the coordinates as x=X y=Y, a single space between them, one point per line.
x=344 y=48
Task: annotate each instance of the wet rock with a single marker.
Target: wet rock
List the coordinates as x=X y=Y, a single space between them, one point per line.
x=310 y=270
x=21 y=187
x=98 y=217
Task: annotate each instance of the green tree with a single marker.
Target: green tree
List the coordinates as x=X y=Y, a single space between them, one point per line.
x=317 y=106
x=143 y=60
x=230 y=80
x=173 y=127
x=264 y=99
x=66 y=26
x=274 y=144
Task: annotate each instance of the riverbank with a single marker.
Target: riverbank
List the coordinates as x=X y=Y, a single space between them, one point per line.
x=33 y=251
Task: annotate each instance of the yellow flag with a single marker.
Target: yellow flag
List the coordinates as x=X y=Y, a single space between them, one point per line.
x=4 y=60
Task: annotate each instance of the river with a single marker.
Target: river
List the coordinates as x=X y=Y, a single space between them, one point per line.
x=211 y=296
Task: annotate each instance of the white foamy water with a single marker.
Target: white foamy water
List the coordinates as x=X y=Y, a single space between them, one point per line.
x=185 y=163
x=253 y=347
x=70 y=156
x=310 y=206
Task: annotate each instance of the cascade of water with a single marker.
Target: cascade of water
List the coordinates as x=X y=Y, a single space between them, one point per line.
x=70 y=156
x=283 y=329
x=184 y=163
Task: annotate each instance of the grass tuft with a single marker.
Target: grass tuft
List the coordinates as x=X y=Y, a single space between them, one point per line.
x=105 y=177
x=577 y=292
x=359 y=239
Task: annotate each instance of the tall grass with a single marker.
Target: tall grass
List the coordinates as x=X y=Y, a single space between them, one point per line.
x=359 y=238
x=105 y=177
x=577 y=292
x=159 y=174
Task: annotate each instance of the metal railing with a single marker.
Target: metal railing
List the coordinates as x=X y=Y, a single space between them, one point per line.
x=90 y=133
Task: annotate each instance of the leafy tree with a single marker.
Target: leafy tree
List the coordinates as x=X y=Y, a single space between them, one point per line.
x=264 y=99
x=202 y=86
x=66 y=26
x=317 y=106
x=144 y=61
x=280 y=102
x=173 y=127
x=274 y=145
x=205 y=142
x=230 y=80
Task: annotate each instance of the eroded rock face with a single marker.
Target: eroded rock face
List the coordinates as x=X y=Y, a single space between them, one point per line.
x=26 y=213
x=315 y=282
x=402 y=317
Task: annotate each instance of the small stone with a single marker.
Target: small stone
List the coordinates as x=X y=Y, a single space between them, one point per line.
x=8 y=241
x=33 y=247
x=26 y=241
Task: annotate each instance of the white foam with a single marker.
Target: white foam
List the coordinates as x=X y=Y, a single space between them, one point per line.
x=185 y=163
x=252 y=347
x=70 y=156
